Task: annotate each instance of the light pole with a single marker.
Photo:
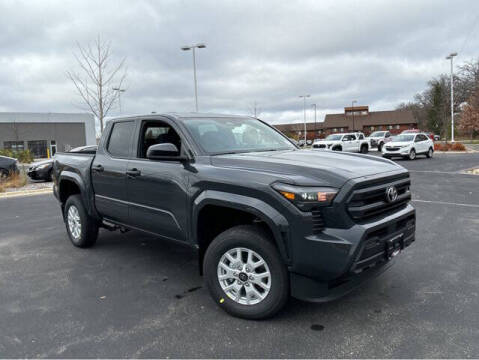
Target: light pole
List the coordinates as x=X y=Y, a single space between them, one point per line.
x=193 y=47
x=352 y=111
x=451 y=57
x=119 y=90
x=304 y=114
x=314 y=105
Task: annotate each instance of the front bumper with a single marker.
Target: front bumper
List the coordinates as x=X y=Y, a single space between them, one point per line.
x=398 y=152
x=331 y=264
x=39 y=174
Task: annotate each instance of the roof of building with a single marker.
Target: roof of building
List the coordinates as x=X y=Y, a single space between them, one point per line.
x=373 y=118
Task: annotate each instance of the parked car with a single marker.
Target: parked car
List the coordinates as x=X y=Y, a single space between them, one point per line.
x=267 y=219
x=378 y=138
x=409 y=146
x=353 y=142
x=8 y=166
x=42 y=170
x=309 y=142
x=437 y=137
x=301 y=142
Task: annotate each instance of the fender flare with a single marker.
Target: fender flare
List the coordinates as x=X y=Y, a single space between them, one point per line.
x=276 y=222
x=78 y=181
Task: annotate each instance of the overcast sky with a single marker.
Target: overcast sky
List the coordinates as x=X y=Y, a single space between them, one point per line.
x=379 y=53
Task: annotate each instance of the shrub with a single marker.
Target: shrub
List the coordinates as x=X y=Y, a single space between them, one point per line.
x=24 y=156
x=15 y=180
x=458 y=147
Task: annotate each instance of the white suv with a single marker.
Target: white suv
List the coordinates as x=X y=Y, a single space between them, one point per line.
x=353 y=142
x=409 y=146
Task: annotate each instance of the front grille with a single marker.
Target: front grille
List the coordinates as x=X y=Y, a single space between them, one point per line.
x=318 y=222
x=319 y=146
x=379 y=244
x=369 y=200
x=392 y=148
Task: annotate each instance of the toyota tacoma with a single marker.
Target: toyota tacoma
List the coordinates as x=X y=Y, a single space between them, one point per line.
x=267 y=219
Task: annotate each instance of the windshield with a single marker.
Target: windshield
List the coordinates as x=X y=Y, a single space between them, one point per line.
x=334 y=137
x=403 y=138
x=377 y=134
x=235 y=135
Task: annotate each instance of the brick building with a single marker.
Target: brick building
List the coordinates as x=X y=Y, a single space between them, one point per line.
x=357 y=118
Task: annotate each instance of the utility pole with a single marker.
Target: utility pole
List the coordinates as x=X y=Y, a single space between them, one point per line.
x=451 y=57
x=119 y=90
x=193 y=47
x=304 y=114
x=314 y=105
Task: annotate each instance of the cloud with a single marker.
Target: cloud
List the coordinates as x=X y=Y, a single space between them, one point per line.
x=269 y=52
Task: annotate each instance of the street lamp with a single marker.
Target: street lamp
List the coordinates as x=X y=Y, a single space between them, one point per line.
x=304 y=114
x=314 y=105
x=352 y=110
x=451 y=57
x=193 y=47
x=119 y=90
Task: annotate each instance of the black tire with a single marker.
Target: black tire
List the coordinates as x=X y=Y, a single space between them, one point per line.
x=49 y=176
x=89 y=227
x=380 y=147
x=4 y=173
x=430 y=153
x=252 y=238
x=412 y=154
x=337 y=148
x=364 y=149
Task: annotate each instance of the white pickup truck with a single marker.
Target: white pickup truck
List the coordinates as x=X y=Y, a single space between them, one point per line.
x=352 y=142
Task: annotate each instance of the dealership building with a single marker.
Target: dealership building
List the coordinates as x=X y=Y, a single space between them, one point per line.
x=357 y=118
x=46 y=133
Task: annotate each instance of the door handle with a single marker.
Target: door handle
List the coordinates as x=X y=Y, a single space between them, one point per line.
x=132 y=173
x=98 y=168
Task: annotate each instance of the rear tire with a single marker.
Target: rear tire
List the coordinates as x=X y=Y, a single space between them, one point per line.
x=380 y=147
x=236 y=283
x=430 y=153
x=364 y=149
x=81 y=228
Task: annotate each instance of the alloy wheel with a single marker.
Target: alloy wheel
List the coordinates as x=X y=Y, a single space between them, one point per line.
x=74 y=222
x=244 y=276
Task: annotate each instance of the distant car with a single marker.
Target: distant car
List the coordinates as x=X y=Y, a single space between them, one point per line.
x=353 y=142
x=409 y=146
x=437 y=137
x=378 y=139
x=309 y=142
x=8 y=165
x=43 y=170
x=301 y=143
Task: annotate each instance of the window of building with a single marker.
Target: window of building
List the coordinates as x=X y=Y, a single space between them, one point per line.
x=390 y=127
x=397 y=127
x=335 y=130
x=372 y=128
x=120 y=138
x=14 y=145
x=38 y=148
x=342 y=129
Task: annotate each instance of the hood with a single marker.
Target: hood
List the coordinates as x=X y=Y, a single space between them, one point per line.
x=309 y=167
x=49 y=161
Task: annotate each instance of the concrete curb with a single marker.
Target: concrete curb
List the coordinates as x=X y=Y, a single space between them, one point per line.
x=12 y=194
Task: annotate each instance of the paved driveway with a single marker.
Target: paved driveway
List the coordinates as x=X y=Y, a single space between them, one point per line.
x=135 y=296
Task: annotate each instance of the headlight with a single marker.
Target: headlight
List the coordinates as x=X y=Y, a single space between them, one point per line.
x=40 y=167
x=305 y=197
x=403 y=146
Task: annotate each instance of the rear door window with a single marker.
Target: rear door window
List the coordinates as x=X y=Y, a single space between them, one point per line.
x=120 y=139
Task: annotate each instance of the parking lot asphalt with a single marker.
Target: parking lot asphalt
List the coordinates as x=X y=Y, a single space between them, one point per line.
x=133 y=295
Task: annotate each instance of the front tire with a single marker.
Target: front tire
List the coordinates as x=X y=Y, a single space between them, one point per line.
x=81 y=228
x=364 y=149
x=245 y=274
x=380 y=147
x=430 y=153
x=412 y=154
x=337 y=148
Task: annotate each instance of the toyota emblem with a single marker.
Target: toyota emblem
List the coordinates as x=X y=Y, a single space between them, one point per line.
x=391 y=194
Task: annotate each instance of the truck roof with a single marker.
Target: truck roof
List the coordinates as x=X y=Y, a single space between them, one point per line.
x=180 y=115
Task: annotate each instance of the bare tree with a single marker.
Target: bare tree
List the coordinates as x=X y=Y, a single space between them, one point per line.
x=96 y=78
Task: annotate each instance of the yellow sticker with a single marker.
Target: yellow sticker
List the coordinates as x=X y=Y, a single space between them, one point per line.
x=222 y=301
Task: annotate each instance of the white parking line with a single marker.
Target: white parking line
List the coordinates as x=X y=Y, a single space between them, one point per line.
x=445 y=203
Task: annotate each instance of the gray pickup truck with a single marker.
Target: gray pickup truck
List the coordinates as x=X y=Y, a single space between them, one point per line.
x=268 y=220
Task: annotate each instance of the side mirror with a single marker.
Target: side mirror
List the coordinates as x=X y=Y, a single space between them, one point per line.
x=164 y=151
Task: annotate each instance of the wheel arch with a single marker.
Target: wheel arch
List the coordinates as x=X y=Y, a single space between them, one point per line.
x=236 y=207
